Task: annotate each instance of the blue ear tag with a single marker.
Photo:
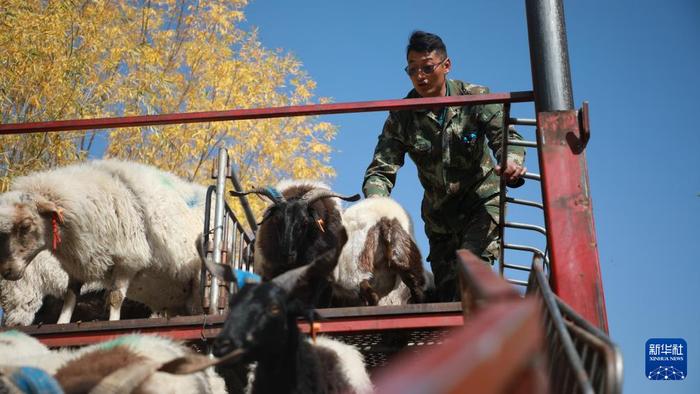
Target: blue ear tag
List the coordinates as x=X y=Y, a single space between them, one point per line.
x=274 y=192
x=243 y=277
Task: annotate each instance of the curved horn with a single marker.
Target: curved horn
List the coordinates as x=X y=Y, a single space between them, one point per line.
x=221 y=271
x=126 y=379
x=195 y=362
x=269 y=192
x=314 y=195
x=288 y=280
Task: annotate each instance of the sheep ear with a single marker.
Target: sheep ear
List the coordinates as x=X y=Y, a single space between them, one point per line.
x=46 y=207
x=221 y=271
x=267 y=214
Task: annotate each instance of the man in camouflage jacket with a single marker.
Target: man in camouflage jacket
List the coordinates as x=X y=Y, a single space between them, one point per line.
x=449 y=147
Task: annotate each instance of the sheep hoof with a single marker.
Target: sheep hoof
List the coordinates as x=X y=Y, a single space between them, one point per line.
x=367 y=294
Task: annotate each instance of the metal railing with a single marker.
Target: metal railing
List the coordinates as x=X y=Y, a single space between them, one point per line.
x=504 y=200
x=582 y=358
x=499 y=349
x=227 y=241
x=217 y=236
x=535 y=344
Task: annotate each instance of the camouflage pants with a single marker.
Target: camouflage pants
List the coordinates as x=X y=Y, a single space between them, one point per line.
x=478 y=235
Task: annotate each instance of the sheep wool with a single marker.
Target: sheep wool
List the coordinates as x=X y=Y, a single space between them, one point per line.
x=381 y=259
x=110 y=222
x=22 y=299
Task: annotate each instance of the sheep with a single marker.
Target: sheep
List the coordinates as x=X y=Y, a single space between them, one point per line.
x=105 y=221
x=262 y=322
x=16 y=345
x=294 y=227
x=302 y=223
x=124 y=364
x=25 y=300
x=131 y=362
x=21 y=380
x=381 y=259
x=19 y=349
x=20 y=353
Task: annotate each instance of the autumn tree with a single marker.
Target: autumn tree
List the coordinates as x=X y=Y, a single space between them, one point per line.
x=83 y=59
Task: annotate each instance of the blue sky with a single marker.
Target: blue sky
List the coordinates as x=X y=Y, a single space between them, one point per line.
x=636 y=62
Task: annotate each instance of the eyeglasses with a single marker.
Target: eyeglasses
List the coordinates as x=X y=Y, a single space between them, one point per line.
x=427 y=70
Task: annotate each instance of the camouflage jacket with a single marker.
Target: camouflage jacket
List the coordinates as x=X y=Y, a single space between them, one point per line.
x=453 y=161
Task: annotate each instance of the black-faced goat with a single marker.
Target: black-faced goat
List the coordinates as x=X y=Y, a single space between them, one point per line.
x=303 y=225
x=262 y=321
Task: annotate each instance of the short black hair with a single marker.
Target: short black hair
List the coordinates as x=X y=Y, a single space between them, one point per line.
x=422 y=41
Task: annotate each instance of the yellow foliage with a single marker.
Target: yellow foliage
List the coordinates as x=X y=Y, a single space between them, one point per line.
x=64 y=60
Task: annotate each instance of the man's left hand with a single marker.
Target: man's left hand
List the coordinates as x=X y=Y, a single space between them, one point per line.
x=513 y=171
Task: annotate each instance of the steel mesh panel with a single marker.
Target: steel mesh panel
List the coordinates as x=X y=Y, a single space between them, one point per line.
x=379 y=347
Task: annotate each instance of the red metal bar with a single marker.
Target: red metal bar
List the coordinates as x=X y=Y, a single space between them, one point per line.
x=575 y=275
x=480 y=285
x=259 y=113
x=188 y=328
x=387 y=323
x=497 y=352
x=87 y=337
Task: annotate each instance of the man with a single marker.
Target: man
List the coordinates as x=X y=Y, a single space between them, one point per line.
x=449 y=147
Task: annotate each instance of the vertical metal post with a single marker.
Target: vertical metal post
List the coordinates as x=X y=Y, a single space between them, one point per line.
x=502 y=197
x=575 y=266
x=222 y=163
x=549 y=55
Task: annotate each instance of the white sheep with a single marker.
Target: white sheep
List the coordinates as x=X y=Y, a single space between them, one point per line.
x=23 y=298
x=381 y=259
x=131 y=362
x=19 y=349
x=105 y=221
x=123 y=364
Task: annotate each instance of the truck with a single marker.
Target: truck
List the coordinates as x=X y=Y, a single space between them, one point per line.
x=533 y=327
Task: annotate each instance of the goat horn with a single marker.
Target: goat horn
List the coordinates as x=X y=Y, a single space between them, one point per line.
x=196 y=362
x=126 y=379
x=288 y=280
x=314 y=195
x=269 y=192
x=221 y=271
